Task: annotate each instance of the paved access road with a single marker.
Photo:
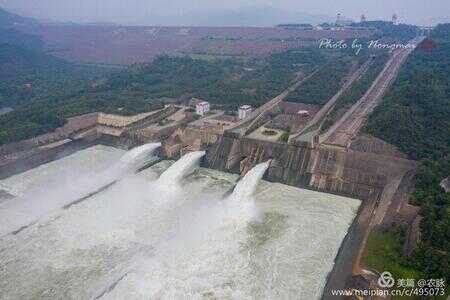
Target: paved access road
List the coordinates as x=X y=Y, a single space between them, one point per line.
x=346 y=128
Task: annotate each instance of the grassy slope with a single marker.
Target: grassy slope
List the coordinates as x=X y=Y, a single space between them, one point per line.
x=383 y=251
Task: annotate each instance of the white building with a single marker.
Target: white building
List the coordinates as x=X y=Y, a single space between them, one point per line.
x=303 y=113
x=202 y=108
x=244 y=111
x=395 y=20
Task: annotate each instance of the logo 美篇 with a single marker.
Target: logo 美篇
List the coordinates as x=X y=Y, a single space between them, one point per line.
x=386 y=280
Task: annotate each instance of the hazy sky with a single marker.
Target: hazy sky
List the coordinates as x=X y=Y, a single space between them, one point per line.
x=142 y=11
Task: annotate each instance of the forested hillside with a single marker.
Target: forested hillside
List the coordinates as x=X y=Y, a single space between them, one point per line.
x=315 y=91
x=9 y=34
x=31 y=81
x=23 y=63
x=227 y=83
x=415 y=116
x=48 y=76
x=8 y=19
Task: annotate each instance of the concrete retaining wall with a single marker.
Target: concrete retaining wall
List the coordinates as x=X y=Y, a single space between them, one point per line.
x=345 y=172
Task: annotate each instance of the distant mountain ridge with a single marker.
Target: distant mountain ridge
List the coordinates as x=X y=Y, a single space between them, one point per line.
x=9 y=35
x=260 y=16
x=24 y=61
x=8 y=19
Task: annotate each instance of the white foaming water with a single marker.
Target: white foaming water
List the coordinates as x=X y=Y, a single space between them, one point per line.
x=52 y=186
x=247 y=186
x=216 y=253
x=171 y=178
x=206 y=240
x=241 y=203
x=122 y=244
x=62 y=171
x=136 y=158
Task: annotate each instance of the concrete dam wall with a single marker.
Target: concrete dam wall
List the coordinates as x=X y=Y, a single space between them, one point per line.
x=337 y=170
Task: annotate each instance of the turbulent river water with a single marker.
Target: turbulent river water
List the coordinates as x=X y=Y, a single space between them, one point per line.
x=87 y=227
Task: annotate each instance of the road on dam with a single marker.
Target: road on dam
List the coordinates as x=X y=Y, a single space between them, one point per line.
x=345 y=129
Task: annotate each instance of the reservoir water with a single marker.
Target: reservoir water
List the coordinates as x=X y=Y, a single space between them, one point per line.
x=172 y=231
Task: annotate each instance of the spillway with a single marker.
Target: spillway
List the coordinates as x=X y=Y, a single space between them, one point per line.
x=125 y=244
x=57 y=184
x=181 y=168
x=247 y=186
x=184 y=166
x=135 y=158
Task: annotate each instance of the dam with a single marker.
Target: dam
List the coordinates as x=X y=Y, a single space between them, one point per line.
x=105 y=223
x=263 y=206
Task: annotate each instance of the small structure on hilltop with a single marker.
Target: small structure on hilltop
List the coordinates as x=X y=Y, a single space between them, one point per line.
x=338 y=19
x=202 y=108
x=318 y=27
x=28 y=87
x=395 y=19
x=303 y=113
x=244 y=111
